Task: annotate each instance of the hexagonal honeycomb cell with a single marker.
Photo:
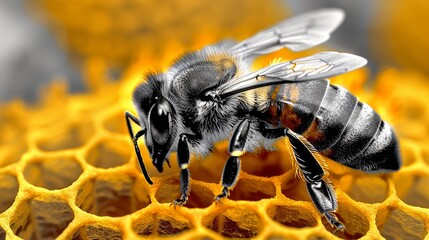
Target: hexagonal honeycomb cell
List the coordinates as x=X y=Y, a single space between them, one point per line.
x=112 y=195
x=161 y=222
x=41 y=218
x=74 y=175
x=64 y=137
x=234 y=222
x=292 y=216
x=52 y=172
x=109 y=153
x=397 y=223
x=97 y=231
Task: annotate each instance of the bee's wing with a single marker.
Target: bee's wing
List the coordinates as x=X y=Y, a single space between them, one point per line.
x=297 y=33
x=317 y=66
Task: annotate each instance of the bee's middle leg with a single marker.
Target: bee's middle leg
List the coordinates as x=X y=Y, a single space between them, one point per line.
x=232 y=165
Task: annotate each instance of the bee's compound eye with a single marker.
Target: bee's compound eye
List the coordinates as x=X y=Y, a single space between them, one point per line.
x=162 y=129
x=160 y=121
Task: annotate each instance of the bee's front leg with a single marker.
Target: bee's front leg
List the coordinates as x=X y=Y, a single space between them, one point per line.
x=232 y=166
x=183 y=161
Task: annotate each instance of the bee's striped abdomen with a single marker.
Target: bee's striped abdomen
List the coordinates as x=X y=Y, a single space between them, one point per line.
x=362 y=128
x=336 y=124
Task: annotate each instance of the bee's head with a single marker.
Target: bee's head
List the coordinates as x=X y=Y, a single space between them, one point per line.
x=158 y=115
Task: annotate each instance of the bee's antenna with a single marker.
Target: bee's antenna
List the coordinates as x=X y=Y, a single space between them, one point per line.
x=135 y=138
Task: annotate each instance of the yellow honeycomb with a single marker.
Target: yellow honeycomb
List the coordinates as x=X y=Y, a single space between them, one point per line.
x=68 y=169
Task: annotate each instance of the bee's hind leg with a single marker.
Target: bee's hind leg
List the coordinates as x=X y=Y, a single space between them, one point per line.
x=321 y=193
x=183 y=161
x=232 y=165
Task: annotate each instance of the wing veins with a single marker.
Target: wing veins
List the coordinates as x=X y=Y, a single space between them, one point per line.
x=317 y=66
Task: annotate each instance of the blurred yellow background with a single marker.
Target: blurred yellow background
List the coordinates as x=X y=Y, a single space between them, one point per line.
x=67 y=168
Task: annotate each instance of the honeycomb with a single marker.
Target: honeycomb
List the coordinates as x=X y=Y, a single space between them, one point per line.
x=68 y=170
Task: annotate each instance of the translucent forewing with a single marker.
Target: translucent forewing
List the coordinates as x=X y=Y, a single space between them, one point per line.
x=317 y=66
x=297 y=33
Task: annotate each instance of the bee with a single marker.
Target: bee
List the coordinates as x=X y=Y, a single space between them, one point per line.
x=210 y=95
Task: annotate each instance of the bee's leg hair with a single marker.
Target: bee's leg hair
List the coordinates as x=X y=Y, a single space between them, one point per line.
x=321 y=193
x=135 y=138
x=232 y=165
x=183 y=161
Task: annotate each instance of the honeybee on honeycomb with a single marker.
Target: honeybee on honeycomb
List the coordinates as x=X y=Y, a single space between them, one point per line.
x=210 y=95
x=68 y=168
